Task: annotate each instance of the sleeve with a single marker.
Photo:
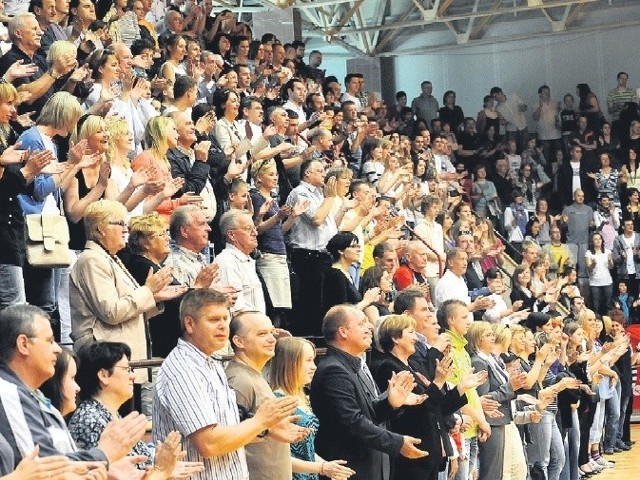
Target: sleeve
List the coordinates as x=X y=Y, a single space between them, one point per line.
x=479 y=365
x=94 y=279
x=195 y=176
x=341 y=393
x=221 y=133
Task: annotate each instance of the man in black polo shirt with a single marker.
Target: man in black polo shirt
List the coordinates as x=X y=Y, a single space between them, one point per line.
x=25 y=34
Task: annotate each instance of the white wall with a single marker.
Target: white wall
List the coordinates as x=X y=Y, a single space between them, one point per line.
x=559 y=61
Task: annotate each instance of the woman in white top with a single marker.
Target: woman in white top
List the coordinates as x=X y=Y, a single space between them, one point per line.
x=599 y=261
x=176 y=50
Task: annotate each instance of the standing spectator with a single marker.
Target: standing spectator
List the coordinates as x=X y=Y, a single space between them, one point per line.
x=348 y=404
x=237 y=269
x=589 y=106
x=626 y=256
x=617 y=100
x=425 y=106
x=209 y=422
x=568 y=121
x=578 y=171
x=291 y=369
x=546 y=115
x=578 y=220
x=253 y=342
x=607 y=220
x=511 y=113
x=488 y=116
x=599 y=261
x=450 y=112
x=516 y=217
x=309 y=236
x=607 y=180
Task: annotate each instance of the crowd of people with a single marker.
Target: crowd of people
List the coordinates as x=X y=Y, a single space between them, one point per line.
x=223 y=205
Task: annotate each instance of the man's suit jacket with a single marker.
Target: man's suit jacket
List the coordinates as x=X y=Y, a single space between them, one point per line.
x=352 y=415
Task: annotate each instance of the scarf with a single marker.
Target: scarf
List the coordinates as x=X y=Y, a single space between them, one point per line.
x=624 y=306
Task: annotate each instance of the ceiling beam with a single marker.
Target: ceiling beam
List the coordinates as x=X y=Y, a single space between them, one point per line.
x=391 y=34
x=511 y=38
x=463 y=16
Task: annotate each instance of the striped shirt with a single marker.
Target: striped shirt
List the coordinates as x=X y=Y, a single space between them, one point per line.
x=191 y=393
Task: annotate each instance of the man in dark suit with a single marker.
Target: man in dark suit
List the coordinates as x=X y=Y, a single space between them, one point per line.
x=347 y=402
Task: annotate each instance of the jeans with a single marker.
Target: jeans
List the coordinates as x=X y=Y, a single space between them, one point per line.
x=41 y=287
x=571 y=447
x=547 y=447
x=466 y=466
x=11 y=286
x=613 y=418
x=595 y=433
x=625 y=403
x=601 y=298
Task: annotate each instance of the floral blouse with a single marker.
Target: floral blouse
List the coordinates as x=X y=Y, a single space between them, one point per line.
x=89 y=421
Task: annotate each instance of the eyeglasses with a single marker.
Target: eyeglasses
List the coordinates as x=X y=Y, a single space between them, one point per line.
x=250 y=229
x=128 y=368
x=120 y=223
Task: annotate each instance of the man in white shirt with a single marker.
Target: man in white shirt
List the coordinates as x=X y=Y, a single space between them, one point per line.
x=453 y=287
x=237 y=268
x=511 y=112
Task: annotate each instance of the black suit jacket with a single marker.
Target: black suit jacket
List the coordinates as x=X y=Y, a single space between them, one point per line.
x=424 y=421
x=352 y=417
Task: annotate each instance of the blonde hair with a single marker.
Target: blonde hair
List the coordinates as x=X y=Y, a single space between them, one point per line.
x=88 y=127
x=516 y=330
x=155 y=137
x=98 y=214
x=61 y=48
x=117 y=128
x=391 y=329
x=503 y=334
x=258 y=168
x=62 y=111
x=285 y=372
x=8 y=94
x=140 y=228
x=475 y=333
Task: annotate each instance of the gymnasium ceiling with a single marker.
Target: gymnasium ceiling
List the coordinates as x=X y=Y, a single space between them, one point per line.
x=405 y=27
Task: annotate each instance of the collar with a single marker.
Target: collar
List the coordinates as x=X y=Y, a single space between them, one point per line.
x=195 y=353
x=457 y=341
x=353 y=362
x=236 y=252
x=310 y=187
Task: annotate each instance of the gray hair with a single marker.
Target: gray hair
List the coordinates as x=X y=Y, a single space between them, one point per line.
x=16 y=320
x=317 y=133
x=229 y=221
x=18 y=23
x=180 y=217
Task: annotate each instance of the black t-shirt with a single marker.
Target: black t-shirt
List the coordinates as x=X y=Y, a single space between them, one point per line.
x=569 y=120
x=15 y=54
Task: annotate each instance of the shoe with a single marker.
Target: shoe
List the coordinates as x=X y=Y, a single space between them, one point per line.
x=623 y=446
x=608 y=451
x=617 y=449
x=584 y=474
x=605 y=463
x=595 y=466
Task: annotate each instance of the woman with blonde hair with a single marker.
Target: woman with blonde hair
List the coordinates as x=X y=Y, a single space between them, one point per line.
x=502 y=454
x=161 y=135
x=292 y=368
x=272 y=222
x=17 y=172
x=107 y=303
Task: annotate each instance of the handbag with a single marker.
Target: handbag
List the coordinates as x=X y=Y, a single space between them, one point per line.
x=47 y=240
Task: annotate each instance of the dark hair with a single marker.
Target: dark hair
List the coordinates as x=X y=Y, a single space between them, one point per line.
x=543 y=87
x=537 y=320
x=247 y=102
x=195 y=300
x=172 y=41
x=620 y=74
x=591 y=246
x=268 y=37
x=446 y=94
x=583 y=91
x=339 y=242
x=215 y=44
x=406 y=300
x=380 y=249
x=220 y=97
x=371 y=278
x=16 y=320
x=517 y=271
x=236 y=42
x=52 y=388
x=94 y=357
x=99 y=58
x=495 y=90
x=305 y=166
x=401 y=94
x=141 y=44
x=182 y=85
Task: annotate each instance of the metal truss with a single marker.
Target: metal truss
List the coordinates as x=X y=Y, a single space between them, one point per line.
x=383 y=27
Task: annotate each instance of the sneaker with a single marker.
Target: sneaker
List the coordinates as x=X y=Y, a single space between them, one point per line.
x=605 y=463
x=623 y=446
x=595 y=466
x=609 y=451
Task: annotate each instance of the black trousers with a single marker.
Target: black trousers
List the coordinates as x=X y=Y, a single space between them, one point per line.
x=308 y=267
